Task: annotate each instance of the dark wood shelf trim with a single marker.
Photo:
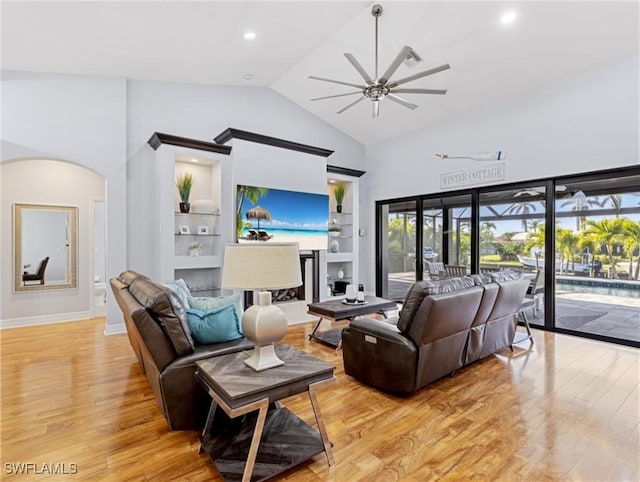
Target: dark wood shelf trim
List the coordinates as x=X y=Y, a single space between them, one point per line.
x=158 y=138
x=231 y=133
x=345 y=171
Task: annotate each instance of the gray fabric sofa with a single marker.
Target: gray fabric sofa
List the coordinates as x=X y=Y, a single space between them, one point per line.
x=160 y=337
x=443 y=326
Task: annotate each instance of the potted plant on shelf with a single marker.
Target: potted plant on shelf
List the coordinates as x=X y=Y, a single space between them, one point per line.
x=339 y=191
x=184 y=183
x=195 y=249
x=334 y=230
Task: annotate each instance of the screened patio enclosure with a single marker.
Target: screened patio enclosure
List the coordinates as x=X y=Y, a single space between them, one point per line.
x=592 y=282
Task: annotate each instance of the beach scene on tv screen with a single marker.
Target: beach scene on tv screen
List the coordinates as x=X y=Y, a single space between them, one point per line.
x=275 y=215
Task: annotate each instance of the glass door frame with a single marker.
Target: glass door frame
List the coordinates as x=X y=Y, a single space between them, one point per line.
x=419 y=201
x=382 y=271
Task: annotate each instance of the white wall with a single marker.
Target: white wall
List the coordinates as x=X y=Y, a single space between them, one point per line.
x=53 y=183
x=77 y=119
x=203 y=112
x=267 y=166
x=587 y=124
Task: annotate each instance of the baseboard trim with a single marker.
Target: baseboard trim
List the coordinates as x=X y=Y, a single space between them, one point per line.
x=116 y=329
x=44 y=319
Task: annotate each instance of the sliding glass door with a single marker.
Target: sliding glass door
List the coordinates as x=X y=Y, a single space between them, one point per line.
x=512 y=236
x=597 y=237
x=397 y=237
x=414 y=235
x=577 y=238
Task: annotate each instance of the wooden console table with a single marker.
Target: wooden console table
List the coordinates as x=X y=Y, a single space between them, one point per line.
x=269 y=439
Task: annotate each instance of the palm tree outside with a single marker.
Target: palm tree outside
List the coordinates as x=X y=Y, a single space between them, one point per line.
x=631 y=244
x=607 y=231
x=567 y=246
x=523 y=208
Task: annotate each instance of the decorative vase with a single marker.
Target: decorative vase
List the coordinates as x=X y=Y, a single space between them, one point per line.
x=334 y=234
x=184 y=207
x=334 y=246
x=339 y=208
x=194 y=252
x=340 y=273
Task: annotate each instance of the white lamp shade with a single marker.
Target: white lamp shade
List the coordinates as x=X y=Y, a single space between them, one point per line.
x=261 y=266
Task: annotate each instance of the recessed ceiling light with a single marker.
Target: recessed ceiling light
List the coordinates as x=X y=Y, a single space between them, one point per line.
x=195 y=160
x=508 y=17
x=249 y=35
x=247 y=76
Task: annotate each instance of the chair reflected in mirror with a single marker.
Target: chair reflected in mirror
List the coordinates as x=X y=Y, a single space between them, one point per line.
x=38 y=275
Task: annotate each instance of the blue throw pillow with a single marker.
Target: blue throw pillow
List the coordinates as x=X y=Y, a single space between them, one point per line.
x=214 y=326
x=208 y=303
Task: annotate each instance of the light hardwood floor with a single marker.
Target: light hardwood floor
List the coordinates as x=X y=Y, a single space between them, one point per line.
x=566 y=410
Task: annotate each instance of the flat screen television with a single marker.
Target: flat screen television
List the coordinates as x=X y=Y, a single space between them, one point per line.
x=276 y=215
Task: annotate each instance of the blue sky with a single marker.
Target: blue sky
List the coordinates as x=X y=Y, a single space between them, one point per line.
x=292 y=210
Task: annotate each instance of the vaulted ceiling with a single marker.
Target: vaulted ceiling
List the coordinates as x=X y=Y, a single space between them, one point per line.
x=492 y=64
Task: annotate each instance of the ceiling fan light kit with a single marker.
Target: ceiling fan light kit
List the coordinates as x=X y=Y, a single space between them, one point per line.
x=379 y=88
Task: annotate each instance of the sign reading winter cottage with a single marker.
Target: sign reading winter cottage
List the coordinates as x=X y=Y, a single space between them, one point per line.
x=473 y=177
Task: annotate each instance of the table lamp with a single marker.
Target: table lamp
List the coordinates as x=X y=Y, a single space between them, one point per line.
x=262 y=266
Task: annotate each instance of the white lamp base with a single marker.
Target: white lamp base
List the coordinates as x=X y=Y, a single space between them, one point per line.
x=263 y=357
x=264 y=324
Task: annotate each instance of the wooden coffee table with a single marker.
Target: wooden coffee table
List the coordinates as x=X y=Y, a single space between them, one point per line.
x=336 y=310
x=248 y=435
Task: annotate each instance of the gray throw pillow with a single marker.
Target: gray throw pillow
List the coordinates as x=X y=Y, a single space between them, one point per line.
x=167 y=309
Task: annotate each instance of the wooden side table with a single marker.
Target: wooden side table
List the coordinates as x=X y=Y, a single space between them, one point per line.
x=269 y=438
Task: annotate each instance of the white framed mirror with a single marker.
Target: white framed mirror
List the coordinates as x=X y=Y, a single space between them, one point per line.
x=45 y=247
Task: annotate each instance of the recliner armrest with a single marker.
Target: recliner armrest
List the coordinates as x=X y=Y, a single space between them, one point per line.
x=378 y=354
x=382 y=328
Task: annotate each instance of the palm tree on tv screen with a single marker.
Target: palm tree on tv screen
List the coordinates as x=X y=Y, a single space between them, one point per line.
x=253 y=195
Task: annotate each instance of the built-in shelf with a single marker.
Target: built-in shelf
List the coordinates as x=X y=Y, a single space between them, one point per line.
x=194 y=262
x=342 y=254
x=196 y=214
x=196 y=234
x=339 y=257
x=336 y=278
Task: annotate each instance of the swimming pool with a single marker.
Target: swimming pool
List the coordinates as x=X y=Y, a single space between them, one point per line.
x=626 y=290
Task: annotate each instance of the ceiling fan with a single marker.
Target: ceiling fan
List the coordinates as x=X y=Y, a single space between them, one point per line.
x=378 y=88
x=537 y=191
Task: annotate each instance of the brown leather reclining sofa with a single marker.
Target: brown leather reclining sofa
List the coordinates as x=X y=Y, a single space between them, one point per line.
x=160 y=337
x=443 y=326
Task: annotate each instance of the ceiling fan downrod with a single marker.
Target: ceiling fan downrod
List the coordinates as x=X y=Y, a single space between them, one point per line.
x=374 y=92
x=376 y=11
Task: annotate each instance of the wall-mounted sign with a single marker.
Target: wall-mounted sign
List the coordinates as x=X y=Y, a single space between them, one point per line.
x=473 y=177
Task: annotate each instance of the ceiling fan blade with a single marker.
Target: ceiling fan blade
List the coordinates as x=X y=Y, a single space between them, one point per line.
x=359 y=68
x=352 y=104
x=401 y=101
x=338 y=95
x=395 y=64
x=337 y=82
x=419 y=75
x=421 y=91
x=376 y=108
